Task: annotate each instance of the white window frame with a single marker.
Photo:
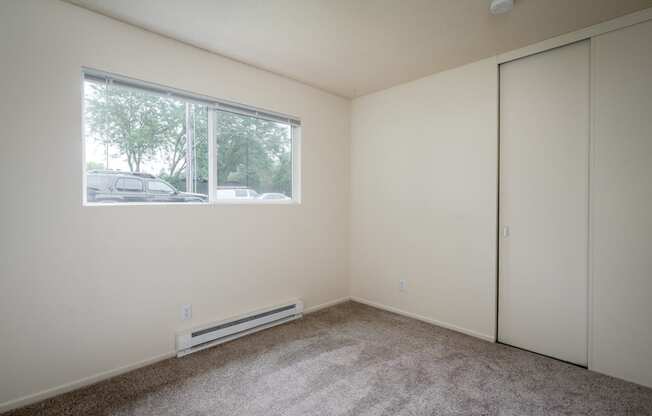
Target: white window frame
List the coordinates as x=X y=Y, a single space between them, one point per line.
x=214 y=107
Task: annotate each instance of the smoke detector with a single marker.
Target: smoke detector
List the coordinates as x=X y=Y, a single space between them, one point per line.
x=500 y=6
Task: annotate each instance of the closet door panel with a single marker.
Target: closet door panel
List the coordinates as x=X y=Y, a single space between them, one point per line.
x=621 y=208
x=544 y=152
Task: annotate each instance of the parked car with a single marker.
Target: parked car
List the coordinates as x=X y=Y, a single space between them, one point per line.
x=274 y=196
x=236 y=193
x=118 y=186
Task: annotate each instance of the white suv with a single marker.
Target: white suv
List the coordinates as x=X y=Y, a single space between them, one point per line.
x=237 y=193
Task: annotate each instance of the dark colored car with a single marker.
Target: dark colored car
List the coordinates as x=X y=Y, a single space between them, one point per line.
x=117 y=186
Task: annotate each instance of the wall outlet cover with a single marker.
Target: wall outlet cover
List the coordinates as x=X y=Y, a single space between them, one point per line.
x=186 y=312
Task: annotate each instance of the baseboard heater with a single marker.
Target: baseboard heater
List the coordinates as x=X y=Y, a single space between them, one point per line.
x=206 y=336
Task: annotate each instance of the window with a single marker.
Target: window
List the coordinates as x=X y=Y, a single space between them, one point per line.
x=188 y=147
x=254 y=155
x=158 y=187
x=273 y=196
x=129 y=185
x=98 y=182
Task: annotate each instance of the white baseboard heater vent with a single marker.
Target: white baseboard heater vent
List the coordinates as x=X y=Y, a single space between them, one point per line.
x=206 y=336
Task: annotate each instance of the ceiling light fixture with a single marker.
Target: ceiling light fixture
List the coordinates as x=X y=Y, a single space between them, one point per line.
x=500 y=6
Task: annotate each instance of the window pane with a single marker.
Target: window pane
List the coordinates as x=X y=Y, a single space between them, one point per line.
x=159 y=140
x=98 y=182
x=159 y=187
x=134 y=132
x=254 y=154
x=129 y=185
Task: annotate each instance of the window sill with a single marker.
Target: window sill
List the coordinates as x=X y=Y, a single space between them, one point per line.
x=224 y=202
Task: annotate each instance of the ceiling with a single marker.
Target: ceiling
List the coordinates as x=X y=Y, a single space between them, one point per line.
x=355 y=47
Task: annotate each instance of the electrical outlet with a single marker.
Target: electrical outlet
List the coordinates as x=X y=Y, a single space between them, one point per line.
x=186 y=312
x=401 y=285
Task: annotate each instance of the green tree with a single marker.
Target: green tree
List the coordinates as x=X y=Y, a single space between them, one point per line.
x=282 y=179
x=253 y=152
x=136 y=122
x=90 y=165
x=143 y=126
x=174 y=149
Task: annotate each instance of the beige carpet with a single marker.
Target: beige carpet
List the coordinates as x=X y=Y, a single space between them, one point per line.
x=355 y=360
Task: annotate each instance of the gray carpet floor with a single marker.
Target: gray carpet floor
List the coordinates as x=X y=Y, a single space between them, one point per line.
x=355 y=360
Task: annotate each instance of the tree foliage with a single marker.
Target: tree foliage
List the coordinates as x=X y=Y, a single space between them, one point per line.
x=143 y=126
x=136 y=122
x=254 y=152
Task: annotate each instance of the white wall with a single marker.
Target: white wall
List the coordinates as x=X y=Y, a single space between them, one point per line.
x=423 y=197
x=89 y=290
x=86 y=290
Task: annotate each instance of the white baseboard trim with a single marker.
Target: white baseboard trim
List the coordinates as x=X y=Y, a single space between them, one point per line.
x=83 y=382
x=431 y=321
x=96 y=378
x=326 y=305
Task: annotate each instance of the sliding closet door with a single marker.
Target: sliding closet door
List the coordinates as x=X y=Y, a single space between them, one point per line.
x=621 y=194
x=544 y=151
